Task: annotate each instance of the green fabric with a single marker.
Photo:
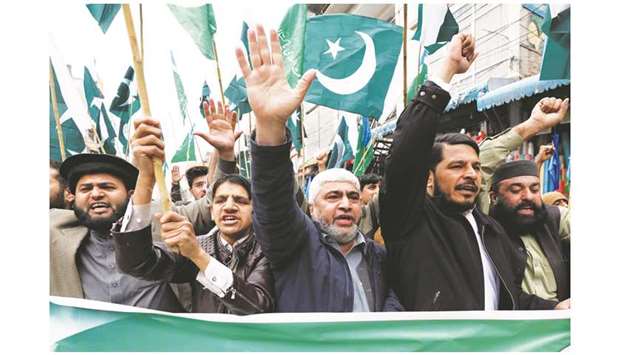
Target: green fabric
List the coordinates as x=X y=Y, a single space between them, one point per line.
x=98 y=113
x=341 y=150
x=448 y=28
x=556 y=56
x=245 y=160
x=108 y=138
x=365 y=151
x=291 y=33
x=350 y=80
x=72 y=137
x=180 y=90
x=236 y=92
x=419 y=79
x=187 y=150
x=199 y=22
x=104 y=14
x=124 y=105
x=294 y=125
x=115 y=331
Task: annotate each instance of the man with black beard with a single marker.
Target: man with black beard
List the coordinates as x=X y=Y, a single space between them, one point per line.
x=539 y=233
x=322 y=263
x=60 y=197
x=82 y=257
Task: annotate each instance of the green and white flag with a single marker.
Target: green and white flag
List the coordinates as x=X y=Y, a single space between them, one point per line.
x=80 y=325
x=104 y=14
x=245 y=160
x=187 y=150
x=419 y=79
x=124 y=105
x=365 y=151
x=180 y=90
x=71 y=134
x=436 y=26
x=99 y=115
x=199 y=22
x=341 y=149
x=236 y=92
x=291 y=33
x=556 y=56
x=294 y=125
x=355 y=58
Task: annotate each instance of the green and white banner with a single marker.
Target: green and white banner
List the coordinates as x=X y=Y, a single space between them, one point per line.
x=83 y=325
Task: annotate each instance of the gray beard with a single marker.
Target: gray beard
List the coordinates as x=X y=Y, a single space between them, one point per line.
x=338 y=236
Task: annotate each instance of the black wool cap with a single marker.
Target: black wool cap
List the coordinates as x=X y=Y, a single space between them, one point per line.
x=76 y=166
x=513 y=169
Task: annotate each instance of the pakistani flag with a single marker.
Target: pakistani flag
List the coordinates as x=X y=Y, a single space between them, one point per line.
x=365 y=151
x=294 y=126
x=341 y=150
x=236 y=92
x=71 y=134
x=180 y=91
x=124 y=105
x=436 y=26
x=291 y=33
x=244 y=40
x=355 y=58
x=556 y=56
x=199 y=22
x=104 y=14
x=206 y=94
x=99 y=115
x=420 y=78
x=244 y=160
x=187 y=150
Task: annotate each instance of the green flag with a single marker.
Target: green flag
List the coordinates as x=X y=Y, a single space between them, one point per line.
x=186 y=151
x=291 y=33
x=244 y=160
x=365 y=151
x=355 y=58
x=436 y=26
x=199 y=22
x=556 y=56
x=419 y=79
x=104 y=14
x=72 y=136
x=236 y=92
x=124 y=105
x=341 y=150
x=180 y=91
x=97 y=112
x=294 y=125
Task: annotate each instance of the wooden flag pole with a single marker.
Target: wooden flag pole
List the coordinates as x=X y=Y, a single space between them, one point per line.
x=61 y=141
x=144 y=102
x=219 y=74
x=405 y=56
x=302 y=114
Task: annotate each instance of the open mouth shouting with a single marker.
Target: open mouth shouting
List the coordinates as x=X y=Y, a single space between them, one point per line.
x=229 y=220
x=344 y=220
x=100 y=208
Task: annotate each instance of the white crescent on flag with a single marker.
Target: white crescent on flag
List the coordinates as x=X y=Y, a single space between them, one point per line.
x=356 y=81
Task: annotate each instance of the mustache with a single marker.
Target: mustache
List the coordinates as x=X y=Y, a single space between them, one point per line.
x=467 y=186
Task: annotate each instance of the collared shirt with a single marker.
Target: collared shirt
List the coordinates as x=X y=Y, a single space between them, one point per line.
x=491 y=280
x=362 y=289
x=103 y=281
x=538 y=279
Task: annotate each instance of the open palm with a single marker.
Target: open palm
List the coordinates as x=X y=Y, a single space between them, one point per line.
x=221 y=123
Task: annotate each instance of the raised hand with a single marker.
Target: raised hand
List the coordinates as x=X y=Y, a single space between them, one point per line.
x=270 y=96
x=146 y=144
x=176 y=174
x=461 y=54
x=221 y=133
x=548 y=112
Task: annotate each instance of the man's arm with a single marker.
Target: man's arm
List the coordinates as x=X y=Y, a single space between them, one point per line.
x=407 y=165
x=280 y=226
x=547 y=113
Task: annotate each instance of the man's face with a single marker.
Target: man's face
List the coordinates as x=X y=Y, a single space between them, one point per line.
x=369 y=191
x=232 y=210
x=100 y=200
x=457 y=176
x=338 y=209
x=57 y=197
x=199 y=187
x=519 y=199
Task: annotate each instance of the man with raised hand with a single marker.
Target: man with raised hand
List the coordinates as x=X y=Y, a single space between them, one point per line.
x=323 y=264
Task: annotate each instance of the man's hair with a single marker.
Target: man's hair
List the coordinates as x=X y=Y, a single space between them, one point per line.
x=367 y=179
x=330 y=175
x=194 y=172
x=234 y=179
x=55 y=164
x=450 y=139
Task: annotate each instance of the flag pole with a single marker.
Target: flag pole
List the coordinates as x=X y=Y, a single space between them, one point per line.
x=61 y=141
x=138 y=62
x=302 y=114
x=405 y=55
x=219 y=75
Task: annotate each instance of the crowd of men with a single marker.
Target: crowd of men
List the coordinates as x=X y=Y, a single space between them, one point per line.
x=450 y=226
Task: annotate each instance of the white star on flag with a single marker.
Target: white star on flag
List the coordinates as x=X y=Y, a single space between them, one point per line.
x=334 y=48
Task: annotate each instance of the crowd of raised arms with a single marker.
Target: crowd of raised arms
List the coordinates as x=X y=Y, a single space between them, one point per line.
x=449 y=226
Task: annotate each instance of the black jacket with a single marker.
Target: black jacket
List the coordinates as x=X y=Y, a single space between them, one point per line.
x=433 y=257
x=556 y=250
x=252 y=290
x=310 y=275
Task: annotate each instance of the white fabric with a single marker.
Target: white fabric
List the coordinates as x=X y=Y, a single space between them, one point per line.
x=433 y=17
x=136 y=217
x=491 y=280
x=217 y=278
